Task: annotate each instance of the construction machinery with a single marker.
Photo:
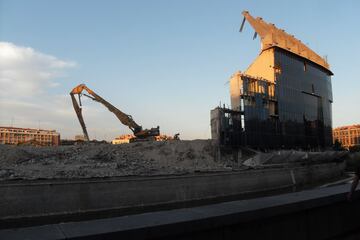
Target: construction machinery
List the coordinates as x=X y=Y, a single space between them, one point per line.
x=127 y=120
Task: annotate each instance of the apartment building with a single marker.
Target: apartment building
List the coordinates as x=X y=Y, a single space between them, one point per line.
x=18 y=136
x=348 y=136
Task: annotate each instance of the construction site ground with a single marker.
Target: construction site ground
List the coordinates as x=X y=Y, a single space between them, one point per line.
x=106 y=160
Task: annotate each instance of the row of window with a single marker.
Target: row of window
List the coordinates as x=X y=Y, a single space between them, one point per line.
x=18 y=139
x=347 y=132
x=349 y=141
x=23 y=131
x=45 y=143
x=21 y=138
x=32 y=135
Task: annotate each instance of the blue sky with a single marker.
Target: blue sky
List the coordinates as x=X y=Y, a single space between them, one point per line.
x=166 y=63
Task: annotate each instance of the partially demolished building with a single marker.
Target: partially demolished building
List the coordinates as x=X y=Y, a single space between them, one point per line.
x=283 y=99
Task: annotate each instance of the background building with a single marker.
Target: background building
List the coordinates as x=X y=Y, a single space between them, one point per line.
x=79 y=137
x=348 y=136
x=283 y=99
x=123 y=139
x=17 y=136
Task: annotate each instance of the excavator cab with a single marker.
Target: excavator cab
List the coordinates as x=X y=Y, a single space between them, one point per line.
x=152 y=132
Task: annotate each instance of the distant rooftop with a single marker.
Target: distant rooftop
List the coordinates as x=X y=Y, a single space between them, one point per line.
x=347 y=127
x=28 y=129
x=271 y=36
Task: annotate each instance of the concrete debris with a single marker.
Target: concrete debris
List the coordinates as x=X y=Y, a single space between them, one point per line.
x=105 y=160
x=291 y=157
x=91 y=160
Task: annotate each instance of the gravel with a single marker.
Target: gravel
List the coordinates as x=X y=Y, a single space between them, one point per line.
x=106 y=160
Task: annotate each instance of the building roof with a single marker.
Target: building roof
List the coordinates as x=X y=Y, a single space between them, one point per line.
x=28 y=129
x=271 y=36
x=354 y=126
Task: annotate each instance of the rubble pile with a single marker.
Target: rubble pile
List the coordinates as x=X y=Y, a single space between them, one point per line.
x=106 y=160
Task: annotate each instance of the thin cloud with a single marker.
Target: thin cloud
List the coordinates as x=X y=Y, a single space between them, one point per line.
x=25 y=77
x=25 y=72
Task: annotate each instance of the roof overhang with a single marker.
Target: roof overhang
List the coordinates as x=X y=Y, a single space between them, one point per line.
x=271 y=37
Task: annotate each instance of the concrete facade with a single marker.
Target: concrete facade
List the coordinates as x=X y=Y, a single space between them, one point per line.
x=16 y=136
x=348 y=136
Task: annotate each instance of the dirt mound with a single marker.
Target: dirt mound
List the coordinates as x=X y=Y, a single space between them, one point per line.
x=105 y=160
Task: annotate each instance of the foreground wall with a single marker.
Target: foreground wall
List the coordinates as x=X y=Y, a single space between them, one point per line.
x=28 y=201
x=315 y=214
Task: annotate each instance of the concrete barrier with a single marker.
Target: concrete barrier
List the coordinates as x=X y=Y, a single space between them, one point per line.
x=46 y=199
x=311 y=215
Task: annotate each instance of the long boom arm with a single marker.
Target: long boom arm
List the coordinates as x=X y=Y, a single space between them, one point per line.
x=78 y=110
x=123 y=117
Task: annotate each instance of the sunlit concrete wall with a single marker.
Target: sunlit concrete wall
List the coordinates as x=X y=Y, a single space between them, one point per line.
x=263 y=66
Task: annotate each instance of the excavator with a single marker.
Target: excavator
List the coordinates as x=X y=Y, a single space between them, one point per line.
x=139 y=132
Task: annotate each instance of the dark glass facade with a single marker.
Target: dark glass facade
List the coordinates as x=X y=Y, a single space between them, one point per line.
x=260 y=112
x=282 y=100
x=297 y=113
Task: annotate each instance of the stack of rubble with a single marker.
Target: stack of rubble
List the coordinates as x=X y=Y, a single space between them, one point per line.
x=106 y=160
